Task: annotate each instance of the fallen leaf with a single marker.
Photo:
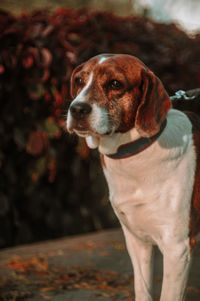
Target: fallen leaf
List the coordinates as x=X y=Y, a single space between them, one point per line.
x=45 y=297
x=47 y=289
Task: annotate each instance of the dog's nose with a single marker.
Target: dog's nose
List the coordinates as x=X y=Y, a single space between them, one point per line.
x=80 y=110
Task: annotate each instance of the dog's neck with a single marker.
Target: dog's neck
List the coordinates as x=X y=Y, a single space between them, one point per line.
x=118 y=146
x=109 y=144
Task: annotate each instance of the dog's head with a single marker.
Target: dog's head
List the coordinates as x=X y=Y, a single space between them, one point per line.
x=114 y=93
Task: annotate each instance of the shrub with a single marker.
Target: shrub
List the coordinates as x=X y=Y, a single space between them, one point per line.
x=50 y=183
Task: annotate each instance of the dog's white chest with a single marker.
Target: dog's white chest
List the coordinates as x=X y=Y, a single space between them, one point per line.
x=149 y=204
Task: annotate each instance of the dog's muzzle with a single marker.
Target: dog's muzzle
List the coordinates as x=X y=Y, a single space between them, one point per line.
x=80 y=110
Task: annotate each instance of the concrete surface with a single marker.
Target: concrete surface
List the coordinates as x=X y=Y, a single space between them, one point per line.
x=87 y=267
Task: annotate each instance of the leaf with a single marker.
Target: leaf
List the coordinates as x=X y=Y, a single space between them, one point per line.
x=17 y=265
x=36 y=91
x=19 y=137
x=36 y=264
x=28 y=61
x=46 y=57
x=58 y=99
x=47 y=289
x=44 y=75
x=192 y=290
x=51 y=127
x=52 y=170
x=39 y=169
x=46 y=297
x=2 y=69
x=36 y=143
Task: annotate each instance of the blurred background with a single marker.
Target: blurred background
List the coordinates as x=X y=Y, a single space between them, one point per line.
x=51 y=184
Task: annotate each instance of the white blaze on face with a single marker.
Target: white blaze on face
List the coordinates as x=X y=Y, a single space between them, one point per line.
x=82 y=96
x=102 y=59
x=99 y=119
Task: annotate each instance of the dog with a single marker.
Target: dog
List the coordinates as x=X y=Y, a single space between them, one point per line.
x=150 y=154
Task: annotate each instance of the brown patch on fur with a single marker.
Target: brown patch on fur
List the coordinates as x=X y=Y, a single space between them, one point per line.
x=128 y=112
x=103 y=164
x=194 y=225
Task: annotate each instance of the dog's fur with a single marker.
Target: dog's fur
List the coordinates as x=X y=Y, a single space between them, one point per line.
x=155 y=193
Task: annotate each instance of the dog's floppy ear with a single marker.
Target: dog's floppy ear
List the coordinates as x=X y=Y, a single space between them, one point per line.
x=153 y=107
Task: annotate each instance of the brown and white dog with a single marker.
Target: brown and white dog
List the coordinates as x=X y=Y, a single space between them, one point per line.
x=150 y=155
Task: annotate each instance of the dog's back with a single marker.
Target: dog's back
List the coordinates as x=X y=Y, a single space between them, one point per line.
x=189 y=103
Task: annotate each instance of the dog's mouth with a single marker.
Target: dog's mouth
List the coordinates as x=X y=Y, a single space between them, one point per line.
x=84 y=130
x=80 y=129
x=82 y=133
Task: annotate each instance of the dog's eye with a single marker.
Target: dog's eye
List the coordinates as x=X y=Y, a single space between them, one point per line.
x=115 y=84
x=79 y=82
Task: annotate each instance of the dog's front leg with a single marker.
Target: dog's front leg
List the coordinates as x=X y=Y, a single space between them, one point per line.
x=141 y=255
x=177 y=261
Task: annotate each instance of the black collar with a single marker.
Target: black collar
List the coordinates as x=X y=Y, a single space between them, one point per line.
x=137 y=146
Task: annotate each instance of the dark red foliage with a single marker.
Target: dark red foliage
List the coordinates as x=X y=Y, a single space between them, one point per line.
x=49 y=183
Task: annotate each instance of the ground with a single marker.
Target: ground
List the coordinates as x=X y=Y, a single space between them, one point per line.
x=94 y=266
